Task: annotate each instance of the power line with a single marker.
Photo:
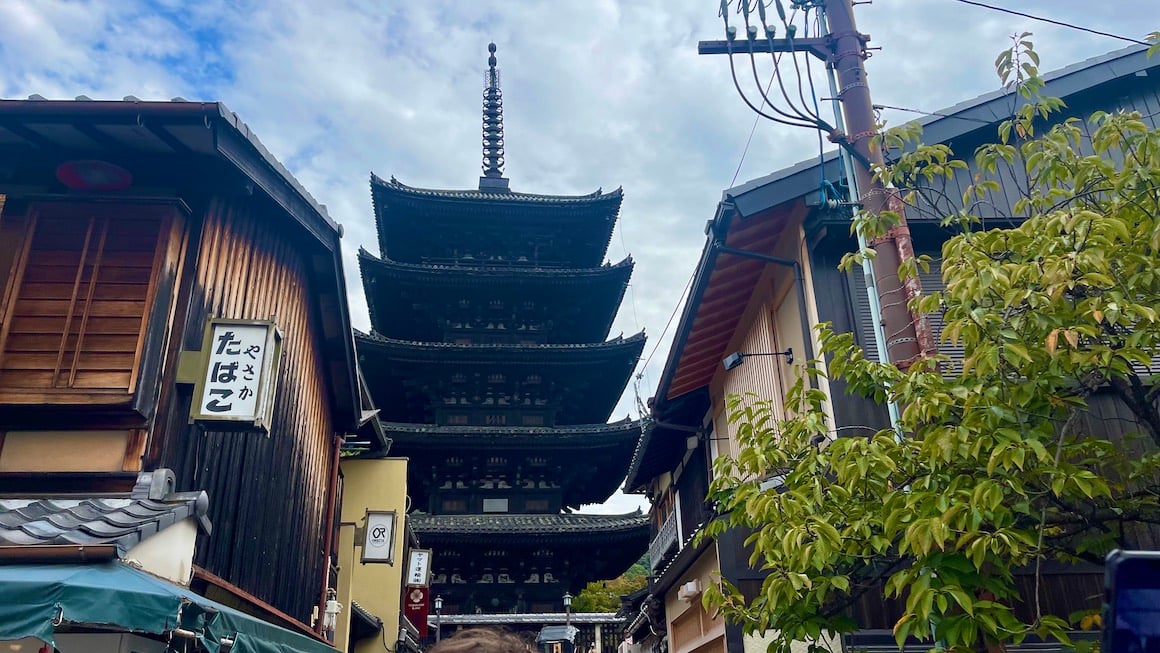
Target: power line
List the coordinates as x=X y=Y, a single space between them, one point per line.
x=932 y=113
x=1053 y=22
x=670 y=322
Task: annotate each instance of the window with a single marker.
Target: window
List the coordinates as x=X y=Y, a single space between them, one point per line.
x=457 y=420
x=454 y=506
x=495 y=505
x=533 y=420
x=535 y=505
x=79 y=285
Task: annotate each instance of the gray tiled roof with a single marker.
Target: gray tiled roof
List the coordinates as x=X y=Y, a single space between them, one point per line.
x=558 y=523
x=123 y=522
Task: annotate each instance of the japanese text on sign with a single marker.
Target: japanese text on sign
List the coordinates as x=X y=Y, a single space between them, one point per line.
x=234 y=370
x=418 y=567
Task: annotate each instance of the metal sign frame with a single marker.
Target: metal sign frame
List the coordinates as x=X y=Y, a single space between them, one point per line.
x=380 y=526
x=267 y=377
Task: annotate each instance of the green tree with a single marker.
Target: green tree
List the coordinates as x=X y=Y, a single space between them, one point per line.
x=994 y=469
x=604 y=595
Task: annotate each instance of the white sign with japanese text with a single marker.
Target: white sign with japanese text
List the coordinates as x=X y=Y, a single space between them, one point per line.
x=418 y=567
x=240 y=376
x=234 y=370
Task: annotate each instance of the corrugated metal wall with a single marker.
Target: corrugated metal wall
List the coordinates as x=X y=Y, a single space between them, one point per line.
x=267 y=494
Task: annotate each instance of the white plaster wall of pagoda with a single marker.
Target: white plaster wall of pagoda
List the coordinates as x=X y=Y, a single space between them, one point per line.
x=168 y=554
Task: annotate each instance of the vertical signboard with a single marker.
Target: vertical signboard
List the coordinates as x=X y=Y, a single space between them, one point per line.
x=415 y=602
x=240 y=378
x=379 y=538
x=418 y=567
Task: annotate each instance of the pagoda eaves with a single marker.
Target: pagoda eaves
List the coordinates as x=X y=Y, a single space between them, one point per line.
x=565 y=383
x=524 y=457
x=426 y=225
x=409 y=301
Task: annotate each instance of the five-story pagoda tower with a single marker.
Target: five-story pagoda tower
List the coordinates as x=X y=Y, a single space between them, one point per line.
x=488 y=356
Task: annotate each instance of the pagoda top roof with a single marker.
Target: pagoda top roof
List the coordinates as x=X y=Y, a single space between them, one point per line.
x=399 y=189
x=492 y=524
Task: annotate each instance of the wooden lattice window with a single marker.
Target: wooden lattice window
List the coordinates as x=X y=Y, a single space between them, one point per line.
x=79 y=288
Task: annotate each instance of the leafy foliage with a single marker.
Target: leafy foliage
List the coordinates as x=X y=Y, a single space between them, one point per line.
x=604 y=596
x=996 y=468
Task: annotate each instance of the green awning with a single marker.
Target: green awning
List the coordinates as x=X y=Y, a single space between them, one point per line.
x=116 y=596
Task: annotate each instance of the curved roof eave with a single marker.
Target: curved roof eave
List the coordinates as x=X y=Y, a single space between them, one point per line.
x=508 y=197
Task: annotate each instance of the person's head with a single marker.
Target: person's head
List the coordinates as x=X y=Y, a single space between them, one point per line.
x=483 y=640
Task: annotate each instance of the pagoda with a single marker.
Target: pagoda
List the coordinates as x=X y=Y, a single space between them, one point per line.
x=490 y=359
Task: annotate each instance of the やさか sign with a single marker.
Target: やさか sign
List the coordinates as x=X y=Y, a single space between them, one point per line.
x=240 y=376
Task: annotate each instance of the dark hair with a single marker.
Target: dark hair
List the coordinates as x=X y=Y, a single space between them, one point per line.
x=483 y=640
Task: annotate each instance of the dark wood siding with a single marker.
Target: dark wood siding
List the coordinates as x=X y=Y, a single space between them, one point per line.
x=267 y=494
x=841 y=301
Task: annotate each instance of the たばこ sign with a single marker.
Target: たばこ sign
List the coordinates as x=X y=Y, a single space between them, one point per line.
x=240 y=376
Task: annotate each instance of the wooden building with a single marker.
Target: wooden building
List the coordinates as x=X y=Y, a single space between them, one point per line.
x=488 y=359
x=127 y=229
x=767 y=276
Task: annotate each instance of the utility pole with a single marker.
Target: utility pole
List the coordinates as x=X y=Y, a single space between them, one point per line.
x=907 y=334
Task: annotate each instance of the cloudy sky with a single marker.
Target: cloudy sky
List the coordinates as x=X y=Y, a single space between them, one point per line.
x=597 y=93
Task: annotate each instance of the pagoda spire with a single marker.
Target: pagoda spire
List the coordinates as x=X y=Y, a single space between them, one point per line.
x=492 y=179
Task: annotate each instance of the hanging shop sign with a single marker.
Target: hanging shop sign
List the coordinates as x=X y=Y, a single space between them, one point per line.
x=418 y=567
x=239 y=378
x=379 y=537
x=416 y=607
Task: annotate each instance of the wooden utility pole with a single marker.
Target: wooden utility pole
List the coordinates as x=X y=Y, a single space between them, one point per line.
x=907 y=332
x=908 y=335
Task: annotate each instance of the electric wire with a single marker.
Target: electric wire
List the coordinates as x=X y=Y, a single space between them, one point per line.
x=1053 y=22
x=813 y=120
x=787 y=118
x=934 y=113
x=672 y=315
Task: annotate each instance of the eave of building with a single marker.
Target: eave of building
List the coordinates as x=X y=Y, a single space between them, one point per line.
x=476 y=275
x=431 y=436
x=196 y=132
x=123 y=521
x=619 y=348
x=602 y=289
x=397 y=188
x=405 y=207
x=662 y=444
x=722 y=286
x=605 y=448
x=571 y=527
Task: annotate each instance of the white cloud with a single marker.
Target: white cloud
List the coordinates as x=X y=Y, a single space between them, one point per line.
x=597 y=94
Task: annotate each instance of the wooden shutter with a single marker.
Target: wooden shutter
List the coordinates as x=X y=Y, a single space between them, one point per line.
x=863 y=317
x=79 y=297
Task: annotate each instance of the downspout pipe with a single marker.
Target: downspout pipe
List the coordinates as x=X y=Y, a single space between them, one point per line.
x=799 y=284
x=328 y=534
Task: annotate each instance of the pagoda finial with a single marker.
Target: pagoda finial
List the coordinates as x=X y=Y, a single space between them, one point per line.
x=492 y=179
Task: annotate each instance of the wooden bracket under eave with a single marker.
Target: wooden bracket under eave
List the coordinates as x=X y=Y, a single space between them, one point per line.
x=190 y=366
